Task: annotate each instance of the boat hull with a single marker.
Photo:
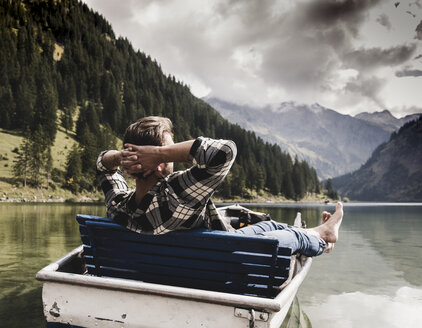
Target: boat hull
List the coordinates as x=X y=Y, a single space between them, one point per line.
x=76 y=300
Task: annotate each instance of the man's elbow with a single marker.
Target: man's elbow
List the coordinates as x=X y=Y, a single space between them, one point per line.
x=225 y=154
x=232 y=150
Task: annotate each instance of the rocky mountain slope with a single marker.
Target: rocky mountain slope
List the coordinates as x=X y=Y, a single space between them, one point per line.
x=331 y=142
x=394 y=171
x=385 y=119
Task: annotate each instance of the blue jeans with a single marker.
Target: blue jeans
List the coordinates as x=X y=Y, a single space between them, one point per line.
x=288 y=236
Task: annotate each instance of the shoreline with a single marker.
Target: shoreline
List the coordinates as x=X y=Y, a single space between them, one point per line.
x=28 y=195
x=84 y=200
x=43 y=196
x=18 y=194
x=99 y=199
x=60 y=200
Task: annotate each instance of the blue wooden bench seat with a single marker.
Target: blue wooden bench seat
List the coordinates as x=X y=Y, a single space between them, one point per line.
x=203 y=259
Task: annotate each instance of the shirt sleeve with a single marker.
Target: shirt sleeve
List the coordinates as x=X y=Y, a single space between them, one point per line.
x=119 y=198
x=212 y=160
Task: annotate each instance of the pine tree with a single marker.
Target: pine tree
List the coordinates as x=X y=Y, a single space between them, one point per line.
x=331 y=192
x=7 y=105
x=39 y=147
x=25 y=97
x=34 y=159
x=91 y=117
x=48 y=165
x=21 y=164
x=45 y=114
x=66 y=119
x=225 y=189
x=298 y=180
x=287 y=186
x=238 y=180
x=73 y=169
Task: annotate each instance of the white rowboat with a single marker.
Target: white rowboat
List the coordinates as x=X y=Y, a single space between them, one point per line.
x=74 y=299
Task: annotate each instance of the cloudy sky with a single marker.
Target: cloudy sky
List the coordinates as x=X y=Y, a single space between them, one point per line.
x=348 y=55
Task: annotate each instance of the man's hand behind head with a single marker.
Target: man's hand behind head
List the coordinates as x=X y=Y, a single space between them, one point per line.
x=142 y=161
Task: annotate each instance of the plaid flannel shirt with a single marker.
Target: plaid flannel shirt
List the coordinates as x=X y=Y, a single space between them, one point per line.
x=182 y=200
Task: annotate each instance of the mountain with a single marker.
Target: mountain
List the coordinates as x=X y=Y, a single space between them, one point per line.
x=333 y=143
x=393 y=172
x=386 y=120
x=62 y=67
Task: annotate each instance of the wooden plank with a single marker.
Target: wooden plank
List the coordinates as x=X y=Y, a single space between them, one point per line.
x=197 y=233
x=81 y=218
x=185 y=252
x=176 y=273
x=192 y=240
x=284 y=251
x=208 y=270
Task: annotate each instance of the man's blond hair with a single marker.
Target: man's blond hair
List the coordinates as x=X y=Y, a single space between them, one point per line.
x=148 y=131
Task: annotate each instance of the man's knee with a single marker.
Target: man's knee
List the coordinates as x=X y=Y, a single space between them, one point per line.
x=262 y=227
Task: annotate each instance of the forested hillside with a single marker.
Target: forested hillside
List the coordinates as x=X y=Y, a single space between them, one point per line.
x=61 y=66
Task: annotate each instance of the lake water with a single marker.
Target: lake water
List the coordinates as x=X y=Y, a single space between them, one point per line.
x=373 y=278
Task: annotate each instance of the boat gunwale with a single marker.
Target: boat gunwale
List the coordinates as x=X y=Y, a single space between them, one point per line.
x=50 y=273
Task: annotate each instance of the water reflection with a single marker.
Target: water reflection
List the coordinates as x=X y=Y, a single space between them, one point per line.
x=363 y=310
x=373 y=277
x=31 y=236
x=393 y=232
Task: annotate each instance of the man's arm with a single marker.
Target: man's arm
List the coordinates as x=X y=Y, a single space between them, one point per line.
x=212 y=160
x=111 y=159
x=116 y=191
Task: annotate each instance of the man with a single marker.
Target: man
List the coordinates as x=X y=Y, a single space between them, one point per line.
x=165 y=201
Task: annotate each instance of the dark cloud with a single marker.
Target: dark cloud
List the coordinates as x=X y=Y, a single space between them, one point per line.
x=419 y=56
x=329 y=11
x=384 y=21
x=419 y=31
x=316 y=34
x=348 y=13
x=409 y=72
x=417 y=3
x=368 y=59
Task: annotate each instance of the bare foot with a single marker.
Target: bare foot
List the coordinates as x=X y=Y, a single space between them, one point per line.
x=328 y=231
x=324 y=218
